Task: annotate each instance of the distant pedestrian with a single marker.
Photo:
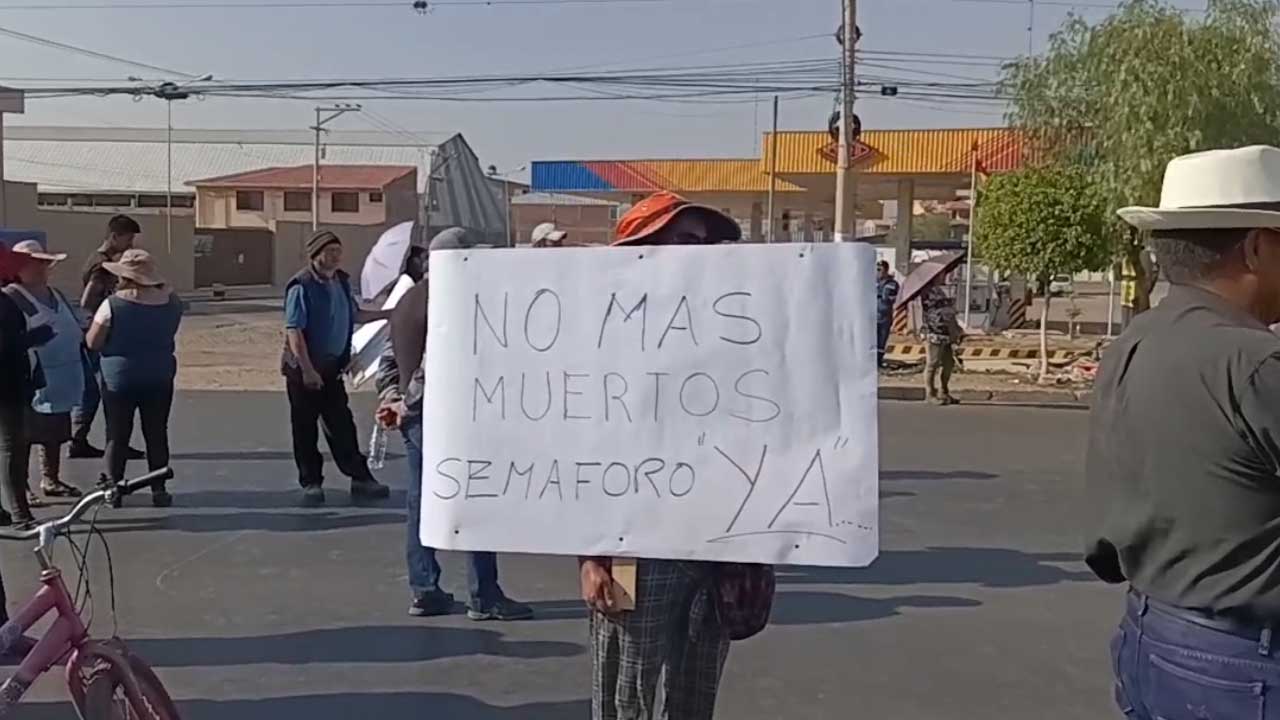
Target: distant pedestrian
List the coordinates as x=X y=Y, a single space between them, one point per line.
x=60 y=363
x=99 y=284
x=548 y=235
x=1184 y=448
x=321 y=313
x=887 y=289
x=400 y=384
x=941 y=333
x=135 y=331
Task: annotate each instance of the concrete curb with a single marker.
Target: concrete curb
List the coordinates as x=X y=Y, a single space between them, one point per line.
x=1073 y=399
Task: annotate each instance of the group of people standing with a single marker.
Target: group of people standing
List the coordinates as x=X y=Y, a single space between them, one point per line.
x=672 y=633
x=60 y=361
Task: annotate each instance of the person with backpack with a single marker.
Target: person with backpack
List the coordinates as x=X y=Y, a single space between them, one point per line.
x=59 y=362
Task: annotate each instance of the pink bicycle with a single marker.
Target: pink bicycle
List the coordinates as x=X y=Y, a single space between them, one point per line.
x=106 y=681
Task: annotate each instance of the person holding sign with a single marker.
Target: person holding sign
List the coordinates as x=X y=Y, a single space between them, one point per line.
x=400 y=385
x=671 y=631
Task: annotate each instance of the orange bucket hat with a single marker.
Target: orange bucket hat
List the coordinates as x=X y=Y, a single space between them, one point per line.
x=656 y=211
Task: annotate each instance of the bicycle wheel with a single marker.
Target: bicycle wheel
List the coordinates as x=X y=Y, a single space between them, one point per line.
x=110 y=683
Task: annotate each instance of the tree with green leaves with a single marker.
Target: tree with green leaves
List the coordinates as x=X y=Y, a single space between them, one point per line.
x=1124 y=96
x=1041 y=222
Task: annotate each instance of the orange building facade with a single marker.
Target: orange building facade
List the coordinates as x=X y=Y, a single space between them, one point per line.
x=893 y=165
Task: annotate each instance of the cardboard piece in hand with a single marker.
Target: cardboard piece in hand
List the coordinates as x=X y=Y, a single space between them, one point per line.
x=624 y=583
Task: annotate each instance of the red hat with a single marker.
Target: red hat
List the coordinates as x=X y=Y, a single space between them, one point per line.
x=656 y=211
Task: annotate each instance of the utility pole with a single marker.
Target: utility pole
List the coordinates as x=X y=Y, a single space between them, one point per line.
x=846 y=178
x=170 y=91
x=1031 y=27
x=324 y=116
x=773 y=168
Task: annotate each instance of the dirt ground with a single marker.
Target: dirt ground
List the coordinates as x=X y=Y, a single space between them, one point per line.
x=231 y=346
x=235 y=345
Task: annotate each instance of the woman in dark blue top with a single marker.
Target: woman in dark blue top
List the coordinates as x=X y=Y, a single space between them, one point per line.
x=135 y=331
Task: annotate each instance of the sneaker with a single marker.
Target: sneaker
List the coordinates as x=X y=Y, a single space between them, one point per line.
x=161 y=499
x=84 y=451
x=369 y=489
x=949 y=400
x=135 y=454
x=504 y=609
x=431 y=604
x=5 y=518
x=312 y=496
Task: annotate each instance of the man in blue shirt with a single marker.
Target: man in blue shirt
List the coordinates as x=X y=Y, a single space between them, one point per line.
x=886 y=297
x=321 y=313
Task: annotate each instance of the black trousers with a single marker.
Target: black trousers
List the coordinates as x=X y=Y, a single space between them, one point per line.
x=152 y=405
x=329 y=406
x=14 y=457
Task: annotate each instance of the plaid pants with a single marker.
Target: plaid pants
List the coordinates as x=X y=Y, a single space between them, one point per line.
x=672 y=633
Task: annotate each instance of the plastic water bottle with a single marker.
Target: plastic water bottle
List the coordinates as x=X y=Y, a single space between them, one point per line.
x=378 y=448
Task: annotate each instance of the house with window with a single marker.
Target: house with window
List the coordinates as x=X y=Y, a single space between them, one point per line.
x=348 y=195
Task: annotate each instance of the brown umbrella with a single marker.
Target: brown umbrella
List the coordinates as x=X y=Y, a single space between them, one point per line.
x=925 y=273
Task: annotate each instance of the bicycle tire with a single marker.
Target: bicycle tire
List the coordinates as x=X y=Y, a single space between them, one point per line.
x=100 y=676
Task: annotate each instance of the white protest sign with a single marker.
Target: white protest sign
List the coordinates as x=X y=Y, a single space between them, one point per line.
x=707 y=403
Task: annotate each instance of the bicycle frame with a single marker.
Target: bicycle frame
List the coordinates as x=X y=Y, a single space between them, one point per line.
x=64 y=637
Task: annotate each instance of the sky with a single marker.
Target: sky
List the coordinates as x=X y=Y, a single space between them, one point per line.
x=263 y=43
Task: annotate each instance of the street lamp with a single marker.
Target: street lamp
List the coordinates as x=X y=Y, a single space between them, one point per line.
x=170 y=91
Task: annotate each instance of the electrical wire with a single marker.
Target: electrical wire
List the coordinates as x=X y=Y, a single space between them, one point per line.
x=46 y=42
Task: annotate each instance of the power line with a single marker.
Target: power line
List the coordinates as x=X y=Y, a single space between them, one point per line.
x=46 y=42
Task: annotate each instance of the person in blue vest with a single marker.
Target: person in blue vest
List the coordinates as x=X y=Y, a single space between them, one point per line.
x=886 y=297
x=60 y=362
x=135 y=331
x=321 y=313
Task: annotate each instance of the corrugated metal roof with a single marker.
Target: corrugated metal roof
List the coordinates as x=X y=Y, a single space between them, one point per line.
x=343 y=177
x=653 y=175
x=900 y=152
x=551 y=198
x=79 y=163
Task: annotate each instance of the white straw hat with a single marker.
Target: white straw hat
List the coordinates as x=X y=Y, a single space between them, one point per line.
x=1216 y=189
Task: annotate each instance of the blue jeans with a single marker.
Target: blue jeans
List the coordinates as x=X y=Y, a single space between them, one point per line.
x=424 y=571
x=883 y=329
x=1169 y=667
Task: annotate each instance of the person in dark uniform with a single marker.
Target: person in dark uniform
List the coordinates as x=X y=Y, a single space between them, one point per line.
x=1184 y=451
x=887 y=289
x=99 y=284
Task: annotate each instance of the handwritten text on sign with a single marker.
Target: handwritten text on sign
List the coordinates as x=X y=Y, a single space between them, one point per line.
x=712 y=403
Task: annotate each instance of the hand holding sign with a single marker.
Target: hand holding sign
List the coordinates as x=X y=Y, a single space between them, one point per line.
x=712 y=403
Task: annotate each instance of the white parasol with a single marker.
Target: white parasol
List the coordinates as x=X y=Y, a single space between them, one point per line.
x=385 y=262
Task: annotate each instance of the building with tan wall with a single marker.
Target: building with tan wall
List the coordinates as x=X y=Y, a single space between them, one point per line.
x=587 y=220
x=348 y=194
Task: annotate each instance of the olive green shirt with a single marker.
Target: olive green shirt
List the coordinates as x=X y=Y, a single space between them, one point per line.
x=1184 y=449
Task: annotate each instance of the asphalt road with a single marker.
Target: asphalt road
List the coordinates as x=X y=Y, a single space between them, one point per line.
x=252 y=609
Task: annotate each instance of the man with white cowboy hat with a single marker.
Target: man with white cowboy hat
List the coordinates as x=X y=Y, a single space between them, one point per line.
x=1184 y=449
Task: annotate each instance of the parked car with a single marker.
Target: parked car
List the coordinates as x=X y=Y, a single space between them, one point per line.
x=1061 y=285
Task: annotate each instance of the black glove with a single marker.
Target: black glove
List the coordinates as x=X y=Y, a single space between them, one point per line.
x=40 y=335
